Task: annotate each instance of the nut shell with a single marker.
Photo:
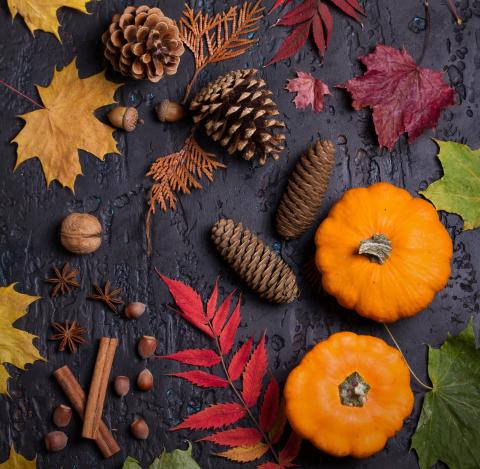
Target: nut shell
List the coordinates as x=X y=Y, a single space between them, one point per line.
x=81 y=233
x=125 y=118
x=145 y=380
x=56 y=441
x=139 y=429
x=121 y=385
x=146 y=346
x=62 y=416
x=169 y=111
x=134 y=310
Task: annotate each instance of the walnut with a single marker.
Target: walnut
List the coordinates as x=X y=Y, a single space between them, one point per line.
x=81 y=233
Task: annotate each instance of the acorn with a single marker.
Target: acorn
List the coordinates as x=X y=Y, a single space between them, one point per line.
x=139 y=429
x=56 y=441
x=146 y=346
x=62 y=416
x=134 y=310
x=145 y=380
x=125 y=118
x=169 y=111
x=121 y=385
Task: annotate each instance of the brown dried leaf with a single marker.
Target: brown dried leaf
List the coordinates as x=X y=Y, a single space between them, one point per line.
x=245 y=453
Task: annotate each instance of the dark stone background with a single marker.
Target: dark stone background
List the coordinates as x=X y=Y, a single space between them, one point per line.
x=116 y=192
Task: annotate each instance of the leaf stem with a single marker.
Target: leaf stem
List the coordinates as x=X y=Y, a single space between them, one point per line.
x=11 y=88
x=417 y=379
x=426 y=40
x=189 y=87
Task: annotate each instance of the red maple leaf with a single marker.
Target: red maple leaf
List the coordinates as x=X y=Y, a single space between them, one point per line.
x=196 y=357
x=403 y=96
x=239 y=360
x=311 y=17
x=240 y=436
x=202 y=379
x=270 y=405
x=254 y=373
x=310 y=91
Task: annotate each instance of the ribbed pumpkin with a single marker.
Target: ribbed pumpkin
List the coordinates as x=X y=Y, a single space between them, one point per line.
x=383 y=253
x=349 y=394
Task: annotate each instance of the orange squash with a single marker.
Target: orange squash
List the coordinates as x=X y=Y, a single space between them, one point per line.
x=349 y=394
x=383 y=252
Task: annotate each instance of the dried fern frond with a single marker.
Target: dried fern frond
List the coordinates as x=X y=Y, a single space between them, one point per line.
x=178 y=172
x=218 y=38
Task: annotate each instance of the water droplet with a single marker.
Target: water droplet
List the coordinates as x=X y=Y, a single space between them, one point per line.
x=342 y=140
x=417 y=24
x=469 y=113
x=276 y=246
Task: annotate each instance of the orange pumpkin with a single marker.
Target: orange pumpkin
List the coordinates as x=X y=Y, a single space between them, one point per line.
x=349 y=394
x=383 y=252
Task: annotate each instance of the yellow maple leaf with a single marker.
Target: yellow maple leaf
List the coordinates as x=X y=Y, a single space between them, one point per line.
x=42 y=14
x=16 y=346
x=55 y=134
x=17 y=461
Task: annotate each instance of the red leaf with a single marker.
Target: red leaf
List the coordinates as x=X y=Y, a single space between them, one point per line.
x=235 y=437
x=196 y=357
x=222 y=313
x=310 y=91
x=318 y=35
x=189 y=302
x=278 y=3
x=254 y=373
x=228 y=333
x=270 y=406
x=293 y=43
x=299 y=14
x=212 y=302
x=269 y=465
x=291 y=449
x=215 y=416
x=275 y=434
x=202 y=379
x=327 y=19
x=239 y=360
x=345 y=6
x=403 y=96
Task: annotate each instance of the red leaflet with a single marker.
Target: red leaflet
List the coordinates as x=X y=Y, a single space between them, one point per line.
x=349 y=7
x=202 y=379
x=403 y=96
x=299 y=14
x=291 y=449
x=293 y=43
x=212 y=301
x=279 y=426
x=222 y=313
x=254 y=373
x=196 y=357
x=235 y=437
x=228 y=333
x=270 y=405
x=310 y=91
x=239 y=360
x=282 y=3
x=327 y=20
x=269 y=465
x=215 y=416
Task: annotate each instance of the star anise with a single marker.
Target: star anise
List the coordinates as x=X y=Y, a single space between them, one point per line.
x=68 y=334
x=110 y=298
x=64 y=280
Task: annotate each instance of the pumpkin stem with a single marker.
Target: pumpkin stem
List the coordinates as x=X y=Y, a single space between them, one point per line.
x=353 y=391
x=377 y=248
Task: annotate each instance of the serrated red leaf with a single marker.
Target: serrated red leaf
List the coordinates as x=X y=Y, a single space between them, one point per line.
x=239 y=360
x=196 y=357
x=318 y=35
x=215 y=416
x=310 y=91
x=293 y=43
x=291 y=449
x=327 y=20
x=278 y=3
x=270 y=405
x=403 y=96
x=227 y=335
x=269 y=465
x=212 y=302
x=254 y=374
x=299 y=14
x=240 y=436
x=347 y=9
x=202 y=379
x=222 y=314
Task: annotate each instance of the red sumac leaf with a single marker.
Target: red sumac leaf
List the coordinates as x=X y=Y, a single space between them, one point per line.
x=270 y=405
x=299 y=14
x=319 y=35
x=212 y=302
x=291 y=449
x=275 y=434
x=293 y=43
x=254 y=373
x=196 y=357
x=278 y=3
x=227 y=335
x=202 y=379
x=240 y=436
x=222 y=314
x=239 y=360
x=215 y=416
x=347 y=9
x=327 y=20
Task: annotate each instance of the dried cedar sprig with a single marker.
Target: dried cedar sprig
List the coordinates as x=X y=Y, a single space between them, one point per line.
x=262 y=269
x=306 y=190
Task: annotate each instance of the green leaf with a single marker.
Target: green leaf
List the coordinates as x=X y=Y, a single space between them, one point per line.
x=177 y=459
x=449 y=429
x=131 y=463
x=458 y=191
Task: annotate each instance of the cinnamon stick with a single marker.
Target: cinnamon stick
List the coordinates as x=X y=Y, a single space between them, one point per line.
x=98 y=387
x=106 y=443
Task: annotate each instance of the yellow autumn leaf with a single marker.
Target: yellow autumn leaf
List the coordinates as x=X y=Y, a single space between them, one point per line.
x=17 y=461
x=55 y=134
x=16 y=346
x=42 y=14
x=245 y=453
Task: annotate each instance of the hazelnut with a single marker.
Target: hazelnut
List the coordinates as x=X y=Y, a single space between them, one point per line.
x=169 y=111
x=125 y=118
x=62 y=415
x=139 y=429
x=121 y=385
x=145 y=380
x=146 y=346
x=81 y=233
x=134 y=310
x=56 y=441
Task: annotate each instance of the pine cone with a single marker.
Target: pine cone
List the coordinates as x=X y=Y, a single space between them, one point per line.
x=237 y=110
x=260 y=267
x=143 y=43
x=305 y=191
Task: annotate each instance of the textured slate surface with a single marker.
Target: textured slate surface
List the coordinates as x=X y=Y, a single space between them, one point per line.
x=116 y=191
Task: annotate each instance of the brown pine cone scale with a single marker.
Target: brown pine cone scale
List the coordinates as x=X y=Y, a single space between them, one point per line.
x=259 y=267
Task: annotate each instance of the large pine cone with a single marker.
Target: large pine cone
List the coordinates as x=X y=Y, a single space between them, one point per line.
x=143 y=43
x=237 y=110
x=260 y=267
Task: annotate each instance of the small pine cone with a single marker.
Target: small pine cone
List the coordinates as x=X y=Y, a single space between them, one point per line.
x=306 y=190
x=260 y=267
x=237 y=110
x=143 y=43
